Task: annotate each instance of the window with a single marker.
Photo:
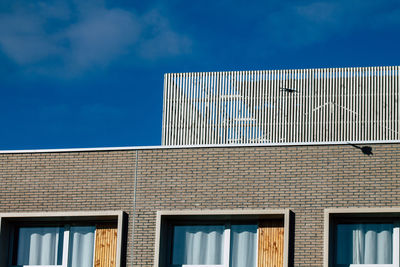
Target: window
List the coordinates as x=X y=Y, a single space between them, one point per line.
x=214 y=245
x=73 y=241
x=221 y=241
x=364 y=240
x=64 y=246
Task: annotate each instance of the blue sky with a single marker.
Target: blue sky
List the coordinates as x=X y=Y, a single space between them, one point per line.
x=90 y=73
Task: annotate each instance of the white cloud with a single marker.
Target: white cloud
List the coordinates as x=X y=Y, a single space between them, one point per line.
x=69 y=38
x=101 y=37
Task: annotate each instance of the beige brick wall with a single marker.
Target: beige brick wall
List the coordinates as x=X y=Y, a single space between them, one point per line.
x=305 y=179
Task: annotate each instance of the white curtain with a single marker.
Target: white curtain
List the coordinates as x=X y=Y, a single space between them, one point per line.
x=198 y=244
x=40 y=245
x=364 y=243
x=81 y=246
x=243 y=246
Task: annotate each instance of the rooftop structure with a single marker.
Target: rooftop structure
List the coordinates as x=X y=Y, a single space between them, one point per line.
x=282 y=106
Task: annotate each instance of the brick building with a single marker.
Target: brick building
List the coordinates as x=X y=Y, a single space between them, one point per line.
x=240 y=201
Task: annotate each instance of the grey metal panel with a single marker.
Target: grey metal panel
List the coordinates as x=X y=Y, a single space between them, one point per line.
x=282 y=106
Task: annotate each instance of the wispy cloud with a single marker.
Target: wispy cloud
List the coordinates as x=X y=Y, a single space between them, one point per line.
x=315 y=21
x=68 y=38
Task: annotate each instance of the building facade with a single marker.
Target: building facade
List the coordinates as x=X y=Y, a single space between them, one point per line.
x=253 y=204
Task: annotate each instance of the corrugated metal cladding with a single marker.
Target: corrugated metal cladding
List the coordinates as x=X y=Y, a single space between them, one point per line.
x=281 y=106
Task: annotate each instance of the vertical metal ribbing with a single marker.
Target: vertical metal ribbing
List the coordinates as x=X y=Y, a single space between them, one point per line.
x=351 y=104
x=318 y=106
x=185 y=96
x=355 y=104
x=386 y=123
x=311 y=102
x=252 y=121
x=374 y=99
x=215 y=113
x=188 y=115
x=257 y=108
x=170 y=128
x=370 y=103
x=177 y=109
x=360 y=102
x=335 y=135
x=386 y=104
x=346 y=93
x=225 y=108
x=391 y=107
x=245 y=111
x=193 y=124
x=397 y=93
x=333 y=102
x=396 y=102
x=267 y=106
x=290 y=102
x=272 y=94
x=191 y=109
x=210 y=108
x=376 y=103
x=278 y=111
x=328 y=105
x=351 y=101
x=280 y=103
x=199 y=105
x=196 y=116
x=340 y=104
x=239 y=106
x=234 y=88
x=348 y=104
x=174 y=112
x=260 y=134
x=164 y=113
x=252 y=107
x=199 y=116
x=296 y=107
x=380 y=100
x=299 y=107
x=166 y=110
x=211 y=128
x=173 y=109
x=230 y=108
x=283 y=101
x=217 y=127
x=181 y=110
x=206 y=106
x=205 y=109
x=246 y=106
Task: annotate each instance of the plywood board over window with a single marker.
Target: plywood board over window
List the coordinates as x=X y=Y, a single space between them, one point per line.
x=270 y=243
x=105 y=245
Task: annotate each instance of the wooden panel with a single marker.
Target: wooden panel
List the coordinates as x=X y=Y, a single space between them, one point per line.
x=105 y=246
x=270 y=244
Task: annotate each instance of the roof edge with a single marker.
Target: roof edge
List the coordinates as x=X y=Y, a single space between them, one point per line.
x=159 y=147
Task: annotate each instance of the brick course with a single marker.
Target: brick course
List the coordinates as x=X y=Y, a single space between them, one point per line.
x=305 y=179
